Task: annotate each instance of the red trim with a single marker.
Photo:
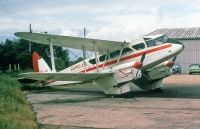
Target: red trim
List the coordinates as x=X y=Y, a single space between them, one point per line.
x=169 y=64
x=35 y=59
x=137 y=65
x=129 y=57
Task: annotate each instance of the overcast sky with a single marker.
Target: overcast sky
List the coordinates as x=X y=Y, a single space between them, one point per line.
x=104 y=19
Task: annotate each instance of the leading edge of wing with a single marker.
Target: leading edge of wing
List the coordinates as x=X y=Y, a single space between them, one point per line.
x=64 y=76
x=72 y=42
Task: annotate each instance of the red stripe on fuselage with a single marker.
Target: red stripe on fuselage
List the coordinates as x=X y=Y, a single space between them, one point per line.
x=128 y=57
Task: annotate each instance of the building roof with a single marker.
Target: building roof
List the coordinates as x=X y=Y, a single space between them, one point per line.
x=179 y=33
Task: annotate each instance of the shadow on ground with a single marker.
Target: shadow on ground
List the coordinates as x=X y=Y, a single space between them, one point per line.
x=168 y=91
x=75 y=100
x=47 y=126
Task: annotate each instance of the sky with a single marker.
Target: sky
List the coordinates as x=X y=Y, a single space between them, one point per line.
x=117 y=20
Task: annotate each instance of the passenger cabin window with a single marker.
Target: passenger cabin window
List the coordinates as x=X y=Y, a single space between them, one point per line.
x=139 y=46
x=112 y=55
x=102 y=58
x=92 y=61
x=126 y=51
x=115 y=54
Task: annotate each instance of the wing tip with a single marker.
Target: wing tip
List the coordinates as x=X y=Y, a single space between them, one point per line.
x=20 y=34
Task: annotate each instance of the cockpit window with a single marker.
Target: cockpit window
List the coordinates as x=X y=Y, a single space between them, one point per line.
x=157 y=41
x=161 y=40
x=151 y=43
x=139 y=46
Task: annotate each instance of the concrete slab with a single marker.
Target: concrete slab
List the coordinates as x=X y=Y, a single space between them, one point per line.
x=178 y=106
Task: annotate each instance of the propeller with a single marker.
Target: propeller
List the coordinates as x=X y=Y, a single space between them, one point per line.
x=142 y=58
x=141 y=63
x=174 y=59
x=172 y=62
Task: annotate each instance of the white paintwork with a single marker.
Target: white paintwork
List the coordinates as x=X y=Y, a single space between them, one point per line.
x=124 y=72
x=52 y=56
x=43 y=67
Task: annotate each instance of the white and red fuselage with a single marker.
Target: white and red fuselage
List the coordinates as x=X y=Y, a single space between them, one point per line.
x=154 y=56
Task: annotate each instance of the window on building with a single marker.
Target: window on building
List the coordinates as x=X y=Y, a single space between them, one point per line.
x=139 y=46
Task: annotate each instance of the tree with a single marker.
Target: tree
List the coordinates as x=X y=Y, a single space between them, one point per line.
x=8 y=55
x=17 y=52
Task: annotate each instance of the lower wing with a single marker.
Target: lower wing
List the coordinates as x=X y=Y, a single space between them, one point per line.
x=79 y=77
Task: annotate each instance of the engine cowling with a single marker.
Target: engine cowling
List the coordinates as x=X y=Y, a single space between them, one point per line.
x=127 y=71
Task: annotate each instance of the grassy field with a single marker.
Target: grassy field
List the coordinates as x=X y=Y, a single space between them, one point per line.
x=15 y=112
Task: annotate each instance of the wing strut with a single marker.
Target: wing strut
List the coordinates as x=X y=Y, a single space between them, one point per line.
x=106 y=57
x=120 y=54
x=84 y=57
x=96 y=57
x=52 y=56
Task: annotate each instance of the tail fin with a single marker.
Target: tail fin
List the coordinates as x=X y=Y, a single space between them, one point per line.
x=39 y=65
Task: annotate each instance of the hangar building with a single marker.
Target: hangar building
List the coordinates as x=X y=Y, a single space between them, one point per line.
x=190 y=37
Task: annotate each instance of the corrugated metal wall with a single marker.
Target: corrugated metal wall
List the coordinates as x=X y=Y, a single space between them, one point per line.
x=190 y=55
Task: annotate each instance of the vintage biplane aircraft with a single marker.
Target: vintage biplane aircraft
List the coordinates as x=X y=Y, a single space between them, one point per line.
x=116 y=66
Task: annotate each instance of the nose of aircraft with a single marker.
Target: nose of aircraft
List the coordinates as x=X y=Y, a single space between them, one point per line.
x=177 y=48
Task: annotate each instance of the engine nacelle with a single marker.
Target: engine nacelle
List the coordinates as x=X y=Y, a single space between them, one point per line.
x=127 y=71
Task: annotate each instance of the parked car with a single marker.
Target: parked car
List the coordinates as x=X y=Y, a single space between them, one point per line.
x=176 y=69
x=194 y=69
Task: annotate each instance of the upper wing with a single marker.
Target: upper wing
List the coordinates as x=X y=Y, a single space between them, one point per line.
x=83 y=77
x=72 y=42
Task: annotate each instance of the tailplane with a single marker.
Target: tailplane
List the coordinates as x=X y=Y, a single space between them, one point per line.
x=39 y=65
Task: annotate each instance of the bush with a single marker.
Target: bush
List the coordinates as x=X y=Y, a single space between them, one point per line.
x=15 y=112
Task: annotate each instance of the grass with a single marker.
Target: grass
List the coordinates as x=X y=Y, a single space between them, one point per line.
x=15 y=112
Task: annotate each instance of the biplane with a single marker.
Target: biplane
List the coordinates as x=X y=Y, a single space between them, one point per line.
x=115 y=67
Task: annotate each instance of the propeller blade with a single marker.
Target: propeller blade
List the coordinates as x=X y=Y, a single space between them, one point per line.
x=142 y=58
x=174 y=59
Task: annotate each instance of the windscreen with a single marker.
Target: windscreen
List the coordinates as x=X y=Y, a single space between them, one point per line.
x=156 y=41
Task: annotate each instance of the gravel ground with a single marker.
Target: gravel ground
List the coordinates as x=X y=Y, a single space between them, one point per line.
x=177 y=106
x=183 y=80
